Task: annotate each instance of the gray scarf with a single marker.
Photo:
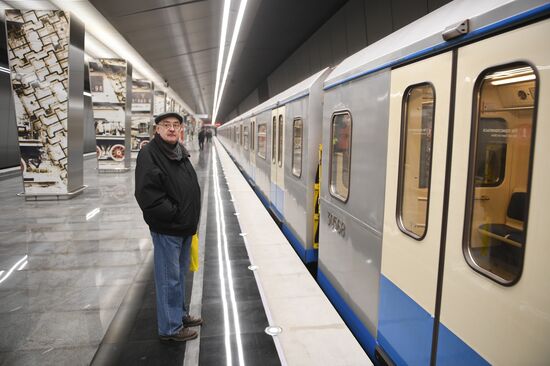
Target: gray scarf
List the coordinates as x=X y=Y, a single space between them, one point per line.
x=172 y=151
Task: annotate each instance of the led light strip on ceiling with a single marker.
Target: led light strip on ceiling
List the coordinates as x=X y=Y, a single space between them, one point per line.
x=223 y=35
x=236 y=30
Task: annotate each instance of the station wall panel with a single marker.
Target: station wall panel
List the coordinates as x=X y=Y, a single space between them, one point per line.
x=356 y=26
x=407 y=11
x=378 y=16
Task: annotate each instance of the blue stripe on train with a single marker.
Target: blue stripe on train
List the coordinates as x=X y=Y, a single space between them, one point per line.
x=405 y=332
x=306 y=255
x=452 y=351
x=261 y=196
x=404 y=327
x=280 y=202
x=365 y=339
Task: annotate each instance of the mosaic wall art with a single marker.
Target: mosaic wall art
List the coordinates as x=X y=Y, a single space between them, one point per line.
x=38 y=50
x=108 y=78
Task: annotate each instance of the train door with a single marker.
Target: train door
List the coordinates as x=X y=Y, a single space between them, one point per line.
x=253 y=149
x=415 y=175
x=495 y=305
x=277 y=160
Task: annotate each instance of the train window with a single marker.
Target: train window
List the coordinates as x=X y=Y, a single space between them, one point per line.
x=340 y=155
x=262 y=146
x=245 y=137
x=415 y=160
x=280 y=142
x=273 y=140
x=297 y=143
x=501 y=154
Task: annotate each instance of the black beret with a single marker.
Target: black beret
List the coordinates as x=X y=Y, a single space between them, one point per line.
x=162 y=116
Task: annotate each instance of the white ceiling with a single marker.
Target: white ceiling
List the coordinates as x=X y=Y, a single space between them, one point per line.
x=180 y=40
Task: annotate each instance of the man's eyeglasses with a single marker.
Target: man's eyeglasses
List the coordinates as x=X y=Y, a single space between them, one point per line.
x=167 y=125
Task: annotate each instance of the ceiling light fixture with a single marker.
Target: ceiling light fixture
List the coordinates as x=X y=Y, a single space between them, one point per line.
x=236 y=31
x=516 y=79
x=510 y=72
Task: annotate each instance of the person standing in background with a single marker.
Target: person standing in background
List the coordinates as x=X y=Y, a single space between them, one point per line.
x=202 y=135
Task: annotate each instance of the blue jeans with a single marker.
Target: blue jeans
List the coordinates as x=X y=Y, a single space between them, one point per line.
x=172 y=254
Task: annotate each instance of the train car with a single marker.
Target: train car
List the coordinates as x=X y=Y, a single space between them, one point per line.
x=278 y=152
x=432 y=202
x=460 y=280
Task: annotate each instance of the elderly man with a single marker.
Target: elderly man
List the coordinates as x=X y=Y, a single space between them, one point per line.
x=168 y=192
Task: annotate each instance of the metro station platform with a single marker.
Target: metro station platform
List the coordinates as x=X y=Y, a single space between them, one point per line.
x=76 y=281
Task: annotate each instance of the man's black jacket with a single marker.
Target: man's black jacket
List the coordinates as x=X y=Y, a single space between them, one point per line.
x=167 y=191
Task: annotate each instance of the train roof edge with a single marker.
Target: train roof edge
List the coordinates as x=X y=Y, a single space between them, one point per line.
x=424 y=36
x=294 y=92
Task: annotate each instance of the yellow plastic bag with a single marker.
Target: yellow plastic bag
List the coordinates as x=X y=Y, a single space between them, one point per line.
x=194 y=262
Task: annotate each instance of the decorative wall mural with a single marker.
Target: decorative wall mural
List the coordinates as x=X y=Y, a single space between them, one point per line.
x=38 y=49
x=169 y=104
x=142 y=105
x=108 y=78
x=140 y=131
x=160 y=102
x=142 y=96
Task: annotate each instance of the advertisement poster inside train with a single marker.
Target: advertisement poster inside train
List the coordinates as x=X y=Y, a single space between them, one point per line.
x=38 y=49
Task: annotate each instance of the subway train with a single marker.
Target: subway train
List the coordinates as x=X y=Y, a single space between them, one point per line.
x=413 y=175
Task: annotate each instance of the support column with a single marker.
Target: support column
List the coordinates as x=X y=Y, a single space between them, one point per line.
x=46 y=58
x=111 y=84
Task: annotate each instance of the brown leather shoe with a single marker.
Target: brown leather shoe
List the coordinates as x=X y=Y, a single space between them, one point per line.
x=191 y=321
x=183 y=335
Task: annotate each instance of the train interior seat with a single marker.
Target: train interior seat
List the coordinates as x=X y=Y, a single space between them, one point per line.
x=508 y=232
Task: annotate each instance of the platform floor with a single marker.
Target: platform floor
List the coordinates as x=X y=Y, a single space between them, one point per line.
x=86 y=293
